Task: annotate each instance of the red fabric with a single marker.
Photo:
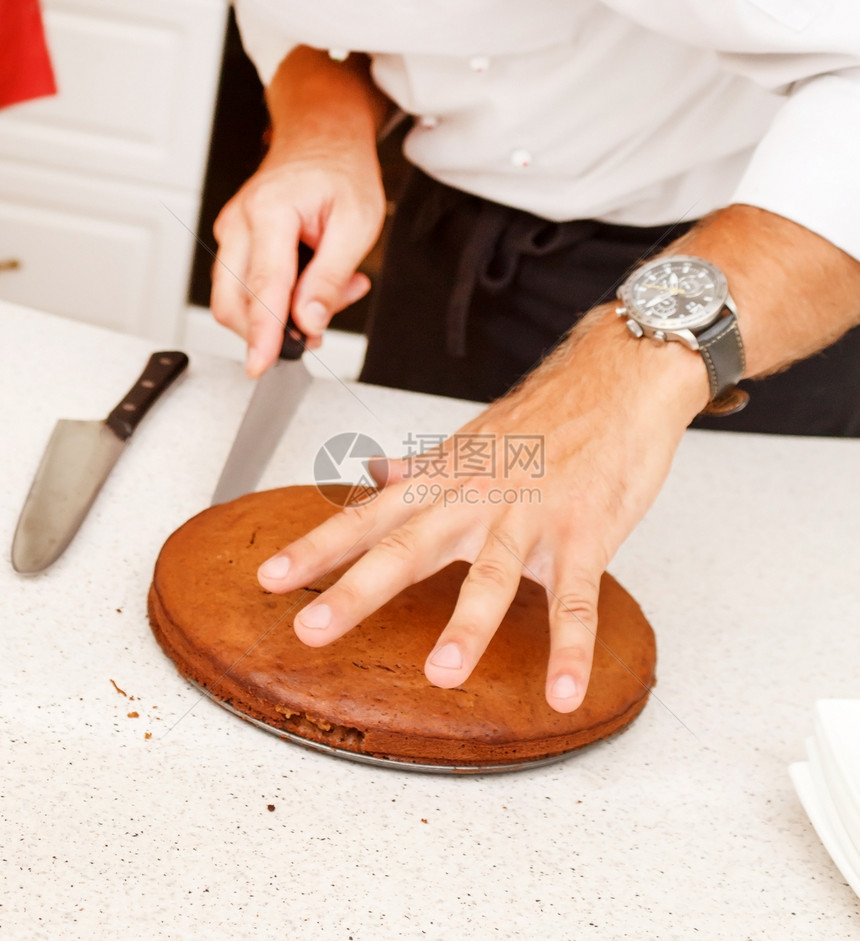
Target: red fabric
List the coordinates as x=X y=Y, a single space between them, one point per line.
x=25 y=65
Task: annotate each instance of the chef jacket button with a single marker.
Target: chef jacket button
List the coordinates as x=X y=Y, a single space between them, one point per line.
x=428 y=121
x=521 y=157
x=338 y=54
x=479 y=63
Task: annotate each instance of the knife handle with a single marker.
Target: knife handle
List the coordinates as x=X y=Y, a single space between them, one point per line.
x=292 y=346
x=160 y=371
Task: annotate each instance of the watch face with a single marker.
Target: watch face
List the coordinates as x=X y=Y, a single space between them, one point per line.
x=675 y=293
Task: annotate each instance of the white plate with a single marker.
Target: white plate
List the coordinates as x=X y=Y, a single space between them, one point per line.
x=837 y=737
x=819 y=807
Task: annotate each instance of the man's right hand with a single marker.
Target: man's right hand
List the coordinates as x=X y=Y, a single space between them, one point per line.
x=320 y=184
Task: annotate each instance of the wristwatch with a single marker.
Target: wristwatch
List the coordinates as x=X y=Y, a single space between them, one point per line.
x=683 y=298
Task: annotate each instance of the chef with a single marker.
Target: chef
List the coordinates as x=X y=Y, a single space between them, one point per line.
x=626 y=217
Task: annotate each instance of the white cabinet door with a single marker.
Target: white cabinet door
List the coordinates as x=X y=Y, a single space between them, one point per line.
x=100 y=185
x=136 y=89
x=108 y=253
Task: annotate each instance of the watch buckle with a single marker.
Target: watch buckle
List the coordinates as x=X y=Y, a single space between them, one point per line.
x=730 y=402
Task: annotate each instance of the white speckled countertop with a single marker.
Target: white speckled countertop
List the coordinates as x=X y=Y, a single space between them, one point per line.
x=685 y=826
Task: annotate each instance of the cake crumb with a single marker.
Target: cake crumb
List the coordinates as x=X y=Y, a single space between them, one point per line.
x=147 y=734
x=121 y=691
x=134 y=715
x=423 y=820
x=270 y=807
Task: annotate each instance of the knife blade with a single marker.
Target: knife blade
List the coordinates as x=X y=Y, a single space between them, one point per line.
x=76 y=462
x=274 y=401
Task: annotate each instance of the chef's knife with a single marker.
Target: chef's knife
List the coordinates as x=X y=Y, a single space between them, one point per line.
x=77 y=460
x=275 y=399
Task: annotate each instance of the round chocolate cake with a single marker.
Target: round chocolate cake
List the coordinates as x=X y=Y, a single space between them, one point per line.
x=366 y=695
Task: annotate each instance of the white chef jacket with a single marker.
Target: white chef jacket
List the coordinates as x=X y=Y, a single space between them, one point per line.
x=640 y=112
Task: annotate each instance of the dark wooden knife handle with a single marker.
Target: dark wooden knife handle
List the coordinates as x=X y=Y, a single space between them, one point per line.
x=294 y=341
x=160 y=371
x=293 y=344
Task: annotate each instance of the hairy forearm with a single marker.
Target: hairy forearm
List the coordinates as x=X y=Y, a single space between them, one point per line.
x=313 y=98
x=795 y=292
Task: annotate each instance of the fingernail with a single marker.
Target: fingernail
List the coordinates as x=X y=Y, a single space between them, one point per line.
x=254 y=362
x=315 y=316
x=564 y=687
x=378 y=469
x=276 y=567
x=448 y=656
x=316 y=616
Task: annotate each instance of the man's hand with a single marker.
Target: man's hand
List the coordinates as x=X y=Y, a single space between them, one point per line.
x=319 y=184
x=611 y=410
x=607 y=451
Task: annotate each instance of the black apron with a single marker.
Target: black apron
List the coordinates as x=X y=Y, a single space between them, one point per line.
x=474 y=294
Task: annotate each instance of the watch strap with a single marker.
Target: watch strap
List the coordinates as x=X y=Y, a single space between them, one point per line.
x=723 y=352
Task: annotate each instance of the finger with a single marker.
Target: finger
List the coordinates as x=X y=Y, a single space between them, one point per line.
x=340 y=539
x=377 y=467
x=357 y=286
x=391 y=470
x=229 y=299
x=328 y=278
x=406 y=555
x=573 y=629
x=386 y=471
x=485 y=596
x=271 y=276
